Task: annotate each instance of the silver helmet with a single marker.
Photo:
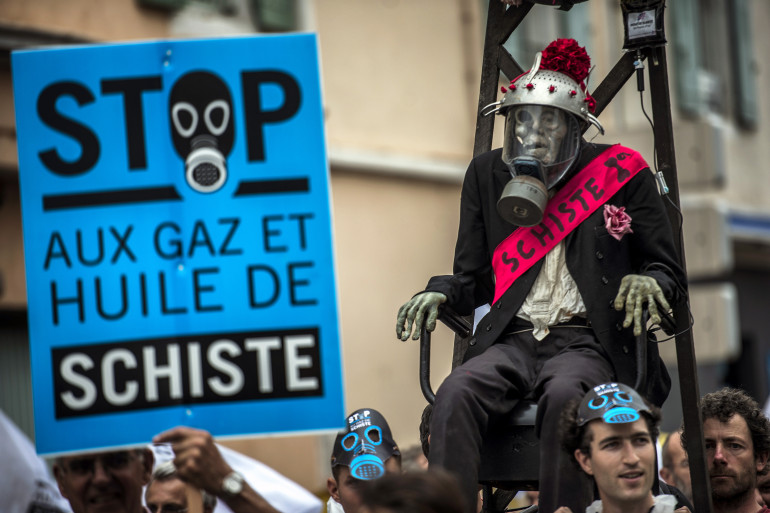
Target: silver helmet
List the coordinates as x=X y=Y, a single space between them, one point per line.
x=548 y=88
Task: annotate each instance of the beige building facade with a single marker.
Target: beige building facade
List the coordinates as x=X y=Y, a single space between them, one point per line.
x=400 y=89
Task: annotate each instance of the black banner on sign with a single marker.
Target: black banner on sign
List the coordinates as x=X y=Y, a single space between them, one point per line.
x=203 y=369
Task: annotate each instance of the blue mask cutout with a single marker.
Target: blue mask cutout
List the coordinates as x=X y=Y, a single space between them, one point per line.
x=364 y=445
x=614 y=403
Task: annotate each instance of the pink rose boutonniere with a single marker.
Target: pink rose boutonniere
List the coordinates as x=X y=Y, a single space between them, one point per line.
x=617 y=222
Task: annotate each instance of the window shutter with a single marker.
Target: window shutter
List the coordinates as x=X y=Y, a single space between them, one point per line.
x=576 y=24
x=684 y=18
x=744 y=65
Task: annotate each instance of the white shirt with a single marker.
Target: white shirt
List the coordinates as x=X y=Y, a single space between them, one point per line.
x=333 y=506
x=662 y=504
x=554 y=297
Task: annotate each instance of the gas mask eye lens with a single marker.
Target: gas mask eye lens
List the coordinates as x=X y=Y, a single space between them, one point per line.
x=349 y=442
x=523 y=117
x=594 y=405
x=374 y=435
x=550 y=120
x=216 y=117
x=185 y=118
x=623 y=397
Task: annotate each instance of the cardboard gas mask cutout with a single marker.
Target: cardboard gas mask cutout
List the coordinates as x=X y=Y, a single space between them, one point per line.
x=202 y=128
x=364 y=445
x=614 y=403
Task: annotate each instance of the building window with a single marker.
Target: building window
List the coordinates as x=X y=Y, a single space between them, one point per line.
x=714 y=69
x=542 y=25
x=265 y=15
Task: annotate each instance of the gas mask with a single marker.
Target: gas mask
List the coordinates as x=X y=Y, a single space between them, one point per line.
x=541 y=144
x=365 y=445
x=202 y=128
x=542 y=109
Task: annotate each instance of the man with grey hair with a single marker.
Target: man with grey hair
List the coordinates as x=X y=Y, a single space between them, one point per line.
x=104 y=482
x=675 y=469
x=167 y=492
x=198 y=462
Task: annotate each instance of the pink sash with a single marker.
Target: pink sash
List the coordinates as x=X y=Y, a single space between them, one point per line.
x=570 y=206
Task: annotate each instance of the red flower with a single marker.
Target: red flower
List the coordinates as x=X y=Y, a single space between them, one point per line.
x=591 y=102
x=617 y=222
x=566 y=56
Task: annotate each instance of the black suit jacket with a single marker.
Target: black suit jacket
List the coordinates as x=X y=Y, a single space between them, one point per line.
x=596 y=261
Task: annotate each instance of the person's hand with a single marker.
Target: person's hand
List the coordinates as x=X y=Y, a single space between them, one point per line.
x=512 y=2
x=412 y=314
x=563 y=509
x=197 y=459
x=683 y=509
x=635 y=291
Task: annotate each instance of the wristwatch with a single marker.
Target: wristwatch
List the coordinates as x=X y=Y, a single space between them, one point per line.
x=232 y=485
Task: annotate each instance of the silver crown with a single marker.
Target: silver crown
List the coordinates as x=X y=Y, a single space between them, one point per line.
x=545 y=87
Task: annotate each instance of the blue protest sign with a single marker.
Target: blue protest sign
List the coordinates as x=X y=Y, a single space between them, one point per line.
x=177 y=233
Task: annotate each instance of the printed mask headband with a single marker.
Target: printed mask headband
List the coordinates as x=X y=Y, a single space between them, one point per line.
x=614 y=403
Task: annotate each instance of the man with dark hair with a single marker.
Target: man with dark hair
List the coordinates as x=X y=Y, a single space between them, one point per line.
x=675 y=469
x=423 y=492
x=610 y=435
x=362 y=452
x=737 y=436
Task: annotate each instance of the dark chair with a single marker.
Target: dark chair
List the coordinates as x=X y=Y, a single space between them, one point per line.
x=510 y=455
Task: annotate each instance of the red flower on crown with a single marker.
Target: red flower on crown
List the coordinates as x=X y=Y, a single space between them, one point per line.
x=566 y=56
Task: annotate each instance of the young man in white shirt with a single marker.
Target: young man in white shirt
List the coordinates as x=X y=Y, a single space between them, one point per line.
x=611 y=435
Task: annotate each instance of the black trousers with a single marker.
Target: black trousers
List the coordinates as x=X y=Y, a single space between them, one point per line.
x=553 y=371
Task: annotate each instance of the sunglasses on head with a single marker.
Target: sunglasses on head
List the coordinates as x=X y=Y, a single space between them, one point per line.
x=110 y=461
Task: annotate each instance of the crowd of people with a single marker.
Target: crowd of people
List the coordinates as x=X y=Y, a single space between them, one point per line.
x=609 y=434
x=566 y=242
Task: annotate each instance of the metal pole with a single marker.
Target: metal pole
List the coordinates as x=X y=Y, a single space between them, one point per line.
x=685 y=350
x=500 y=24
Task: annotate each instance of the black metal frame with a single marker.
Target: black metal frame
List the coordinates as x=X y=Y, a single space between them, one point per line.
x=501 y=22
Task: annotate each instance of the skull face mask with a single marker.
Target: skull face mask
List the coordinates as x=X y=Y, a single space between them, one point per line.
x=546 y=134
x=541 y=143
x=614 y=403
x=539 y=131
